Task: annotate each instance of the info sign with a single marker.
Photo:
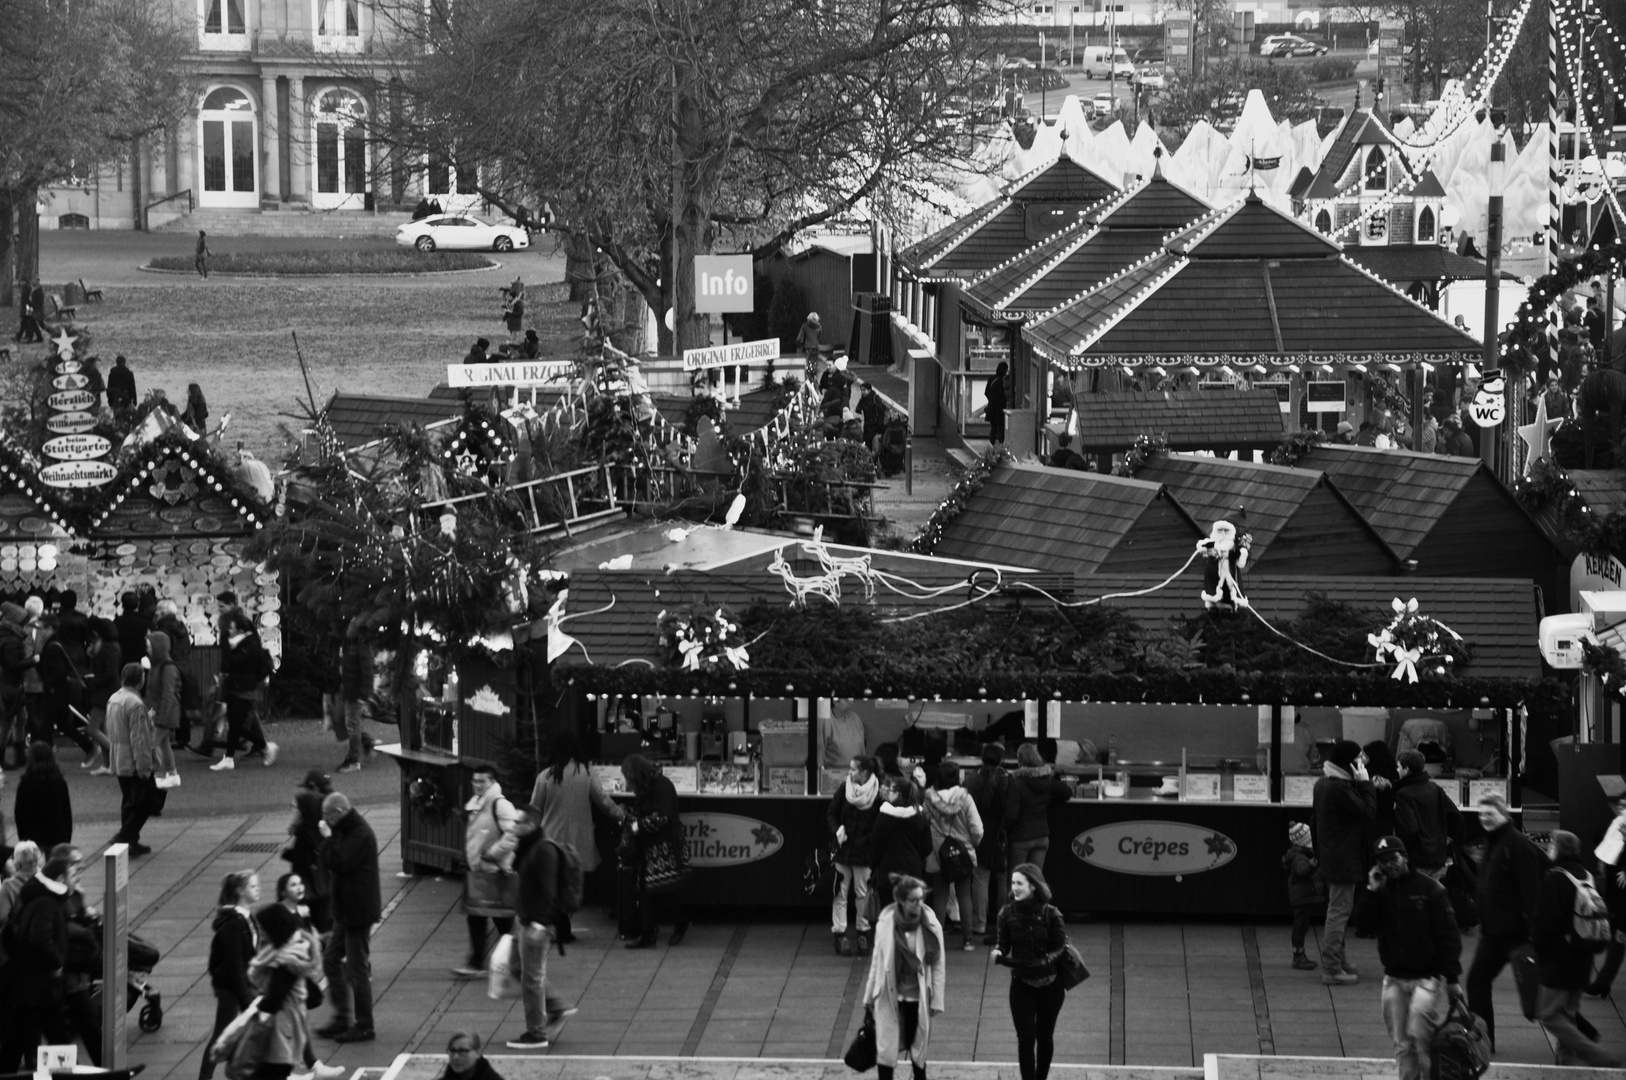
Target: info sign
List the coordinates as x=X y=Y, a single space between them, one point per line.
x=722 y=283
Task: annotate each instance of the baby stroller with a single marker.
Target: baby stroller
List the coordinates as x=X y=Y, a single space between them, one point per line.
x=143 y=956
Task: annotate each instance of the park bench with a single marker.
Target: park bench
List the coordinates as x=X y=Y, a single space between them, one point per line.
x=91 y=295
x=59 y=310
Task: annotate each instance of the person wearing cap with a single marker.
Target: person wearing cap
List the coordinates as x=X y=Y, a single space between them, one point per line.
x=1306 y=893
x=513 y=311
x=1611 y=856
x=1421 y=950
x=1509 y=883
x=1425 y=817
x=807 y=340
x=1564 y=962
x=1346 y=433
x=1031 y=938
x=1345 y=805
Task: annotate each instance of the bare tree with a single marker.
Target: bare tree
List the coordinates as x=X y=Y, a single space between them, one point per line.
x=655 y=130
x=80 y=85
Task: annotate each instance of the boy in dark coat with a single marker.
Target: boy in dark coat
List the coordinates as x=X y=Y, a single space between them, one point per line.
x=35 y=999
x=1425 y=817
x=350 y=857
x=1304 y=889
x=1509 y=882
x=1345 y=805
x=1563 y=961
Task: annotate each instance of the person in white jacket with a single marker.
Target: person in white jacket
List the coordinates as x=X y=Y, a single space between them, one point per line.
x=952 y=813
x=489 y=888
x=906 y=976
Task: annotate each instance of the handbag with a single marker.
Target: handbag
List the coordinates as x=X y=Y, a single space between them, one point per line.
x=226 y=1043
x=503 y=982
x=1460 y=1047
x=666 y=866
x=1070 y=967
x=862 y=1055
x=490 y=893
x=253 y=1048
x=954 y=860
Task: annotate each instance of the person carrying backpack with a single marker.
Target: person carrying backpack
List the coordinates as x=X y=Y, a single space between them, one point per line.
x=540 y=864
x=1569 y=928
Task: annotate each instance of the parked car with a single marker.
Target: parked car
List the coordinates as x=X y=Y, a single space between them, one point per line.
x=1290 y=45
x=1151 y=77
x=1104 y=104
x=460 y=232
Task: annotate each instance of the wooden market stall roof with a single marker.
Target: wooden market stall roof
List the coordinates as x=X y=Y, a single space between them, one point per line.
x=1401 y=265
x=1190 y=419
x=1299 y=520
x=1603 y=491
x=1059 y=520
x=1109 y=239
x=1447 y=513
x=358 y=419
x=617 y=648
x=1342 y=168
x=1248 y=284
x=1046 y=200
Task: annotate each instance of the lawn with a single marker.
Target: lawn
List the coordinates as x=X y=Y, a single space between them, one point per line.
x=234 y=339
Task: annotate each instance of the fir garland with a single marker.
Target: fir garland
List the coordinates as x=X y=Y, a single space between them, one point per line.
x=1604 y=663
x=1295 y=446
x=1549 y=488
x=954 y=504
x=1142 y=450
x=1525 y=346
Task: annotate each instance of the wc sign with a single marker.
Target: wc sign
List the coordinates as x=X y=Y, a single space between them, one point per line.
x=723 y=283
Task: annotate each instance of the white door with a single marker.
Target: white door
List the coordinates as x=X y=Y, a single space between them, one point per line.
x=228 y=150
x=339 y=166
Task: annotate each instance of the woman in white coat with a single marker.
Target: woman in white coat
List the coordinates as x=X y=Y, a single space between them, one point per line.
x=566 y=794
x=906 y=973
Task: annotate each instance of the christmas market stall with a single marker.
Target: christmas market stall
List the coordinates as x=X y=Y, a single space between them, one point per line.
x=1192 y=719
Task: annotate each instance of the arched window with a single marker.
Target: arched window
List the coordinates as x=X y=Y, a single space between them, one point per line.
x=1323 y=222
x=1377 y=170
x=227 y=148
x=1425 y=225
x=340 y=138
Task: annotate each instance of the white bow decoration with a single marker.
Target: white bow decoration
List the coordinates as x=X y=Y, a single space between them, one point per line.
x=1406 y=668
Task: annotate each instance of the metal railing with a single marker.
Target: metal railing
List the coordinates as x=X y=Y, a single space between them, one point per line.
x=190 y=206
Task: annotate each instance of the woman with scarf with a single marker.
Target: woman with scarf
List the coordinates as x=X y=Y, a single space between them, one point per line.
x=852 y=813
x=952 y=813
x=906 y=975
x=288 y=958
x=1031 y=939
x=235 y=941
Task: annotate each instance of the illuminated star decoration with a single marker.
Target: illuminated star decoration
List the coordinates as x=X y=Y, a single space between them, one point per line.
x=63 y=342
x=467 y=463
x=766 y=835
x=1218 y=845
x=1538 y=436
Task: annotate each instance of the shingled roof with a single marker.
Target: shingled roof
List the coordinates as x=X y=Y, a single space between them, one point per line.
x=1060 y=520
x=358 y=419
x=1340 y=169
x=1248 y=284
x=1047 y=200
x=1297 y=517
x=1120 y=232
x=1191 y=419
x=1400 y=265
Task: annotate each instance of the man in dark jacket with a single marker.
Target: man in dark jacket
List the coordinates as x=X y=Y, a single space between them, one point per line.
x=1420 y=947
x=17 y=659
x=1345 y=805
x=133 y=627
x=1563 y=961
x=1035 y=788
x=536 y=865
x=988 y=788
x=350 y=857
x=1509 y=882
x=1425 y=817
x=851 y=815
x=39 y=941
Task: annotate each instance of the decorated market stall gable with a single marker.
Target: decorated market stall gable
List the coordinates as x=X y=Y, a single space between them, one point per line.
x=1447 y=513
x=1218 y=421
x=1061 y=520
x=1246 y=285
x=1570 y=504
x=1011 y=642
x=1119 y=234
x=1299 y=520
x=1048 y=199
x=1364 y=164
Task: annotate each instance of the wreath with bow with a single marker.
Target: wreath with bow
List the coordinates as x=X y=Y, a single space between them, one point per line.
x=1411 y=639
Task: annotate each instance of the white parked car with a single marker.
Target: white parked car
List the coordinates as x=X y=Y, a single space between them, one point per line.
x=460 y=232
x=1151 y=77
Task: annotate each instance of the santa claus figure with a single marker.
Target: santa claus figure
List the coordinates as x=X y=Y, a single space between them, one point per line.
x=1227 y=556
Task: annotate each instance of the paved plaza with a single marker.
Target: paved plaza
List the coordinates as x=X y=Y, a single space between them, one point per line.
x=765 y=985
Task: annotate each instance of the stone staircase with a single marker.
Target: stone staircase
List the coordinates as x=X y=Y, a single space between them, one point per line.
x=341 y=224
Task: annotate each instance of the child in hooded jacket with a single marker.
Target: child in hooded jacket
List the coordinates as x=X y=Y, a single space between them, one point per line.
x=1305 y=892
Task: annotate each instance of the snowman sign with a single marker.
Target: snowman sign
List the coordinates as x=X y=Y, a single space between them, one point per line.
x=1488 y=407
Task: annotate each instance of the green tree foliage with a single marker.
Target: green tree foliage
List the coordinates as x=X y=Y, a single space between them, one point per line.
x=1220 y=91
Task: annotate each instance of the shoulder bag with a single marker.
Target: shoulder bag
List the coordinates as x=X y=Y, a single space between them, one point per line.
x=862 y=1055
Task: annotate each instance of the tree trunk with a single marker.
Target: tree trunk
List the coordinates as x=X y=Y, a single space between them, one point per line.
x=693 y=185
x=26 y=209
x=8 y=251
x=580 y=265
x=138 y=193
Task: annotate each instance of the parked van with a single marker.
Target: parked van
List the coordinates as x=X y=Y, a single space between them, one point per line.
x=1095 y=62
